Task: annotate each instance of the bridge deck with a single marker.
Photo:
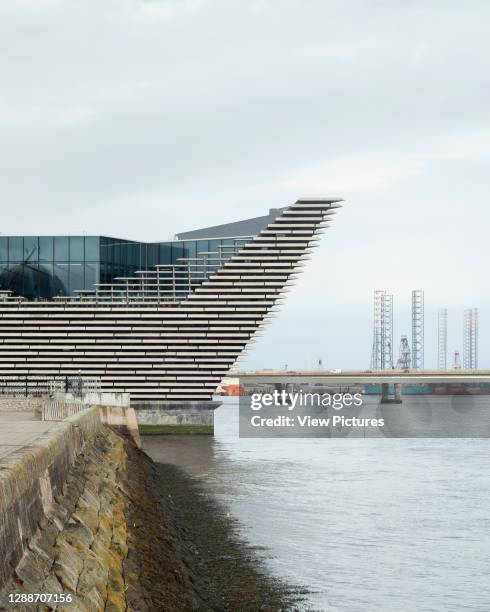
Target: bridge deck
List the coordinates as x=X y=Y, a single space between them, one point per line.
x=367 y=376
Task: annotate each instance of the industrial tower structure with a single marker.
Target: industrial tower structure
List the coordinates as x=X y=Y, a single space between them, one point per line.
x=442 y=339
x=417 y=329
x=404 y=359
x=382 y=352
x=470 y=339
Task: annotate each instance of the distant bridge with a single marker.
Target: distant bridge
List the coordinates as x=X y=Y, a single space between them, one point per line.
x=383 y=377
x=365 y=376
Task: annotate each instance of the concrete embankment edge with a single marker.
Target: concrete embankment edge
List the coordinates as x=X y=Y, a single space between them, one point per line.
x=79 y=517
x=111 y=535
x=32 y=478
x=62 y=512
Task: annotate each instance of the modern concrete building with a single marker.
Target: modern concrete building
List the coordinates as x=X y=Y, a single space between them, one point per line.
x=165 y=321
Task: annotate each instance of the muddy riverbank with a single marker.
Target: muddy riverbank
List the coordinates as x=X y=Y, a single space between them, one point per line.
x=185 y=552
x=119 y=533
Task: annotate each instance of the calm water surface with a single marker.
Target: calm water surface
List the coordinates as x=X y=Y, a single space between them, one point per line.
x=366 y=525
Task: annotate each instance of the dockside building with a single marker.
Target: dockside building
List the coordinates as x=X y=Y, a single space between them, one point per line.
x=163 y=321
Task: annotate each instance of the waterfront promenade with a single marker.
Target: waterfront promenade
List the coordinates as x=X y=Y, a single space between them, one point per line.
x=69 y=528
x=19 y=429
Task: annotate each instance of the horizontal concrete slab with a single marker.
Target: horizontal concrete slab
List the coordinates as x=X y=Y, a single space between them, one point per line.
x=19 y=429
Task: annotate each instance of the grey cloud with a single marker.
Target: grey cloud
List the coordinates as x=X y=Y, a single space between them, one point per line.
x=144 y=118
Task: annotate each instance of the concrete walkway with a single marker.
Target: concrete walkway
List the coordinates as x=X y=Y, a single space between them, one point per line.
x=19 y=429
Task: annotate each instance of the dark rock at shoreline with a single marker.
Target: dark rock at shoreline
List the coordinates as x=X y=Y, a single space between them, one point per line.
x=185 y=552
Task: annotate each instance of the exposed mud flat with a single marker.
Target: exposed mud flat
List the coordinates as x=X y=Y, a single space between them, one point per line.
x=185 y=552
x=126 y=534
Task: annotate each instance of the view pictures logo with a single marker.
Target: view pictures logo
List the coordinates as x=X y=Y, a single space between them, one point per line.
x=300 y=399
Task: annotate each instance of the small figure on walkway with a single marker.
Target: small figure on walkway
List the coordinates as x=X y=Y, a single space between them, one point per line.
x=79 y=383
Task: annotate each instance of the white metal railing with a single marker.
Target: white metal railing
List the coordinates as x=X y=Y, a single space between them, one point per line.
x=163 y=282
x=74 y=384
x=58 y=410
x=47 y=385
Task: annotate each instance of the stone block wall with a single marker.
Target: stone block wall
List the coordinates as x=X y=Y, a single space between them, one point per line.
x=32 y=478
x=80 y=546
x=21 y=403
x=175 y=413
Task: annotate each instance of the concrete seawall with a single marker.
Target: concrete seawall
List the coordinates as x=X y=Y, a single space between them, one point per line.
x=85 y=513
x=32 y=478
x=62 y=525
x=175 y=417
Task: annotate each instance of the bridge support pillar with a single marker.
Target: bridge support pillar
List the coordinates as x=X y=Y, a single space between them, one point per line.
x=385 y=394
x=398 y=392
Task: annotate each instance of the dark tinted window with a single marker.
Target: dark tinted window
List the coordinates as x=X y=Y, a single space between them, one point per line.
x=231 y=247
x=92 y=248
x=76 y=277
x=46 y=252
x=104 y=273
x=191 y=249
x=16 y=248
x=61 y=278
x=47 y=284
x=124 y=253
x=61 y=252
x=30 y=274
x=91 y=275
x=202 y=246
x=4 y=249
x=152 y=255
x=104 y=249
x=177 y=251
x=214 y=245
x=116 y=253
x=165 y=254
x=4 y=276
x=133 y=254
x=142 y=265
x=76 y=248
x=31 y=250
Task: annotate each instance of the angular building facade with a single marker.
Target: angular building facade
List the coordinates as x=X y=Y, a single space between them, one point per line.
x=43 y=267
x=167 y=321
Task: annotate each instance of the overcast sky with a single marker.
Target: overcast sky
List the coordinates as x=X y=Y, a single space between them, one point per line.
x=143 y=118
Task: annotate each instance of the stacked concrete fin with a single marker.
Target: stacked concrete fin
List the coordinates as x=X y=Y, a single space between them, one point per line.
x=175 y=351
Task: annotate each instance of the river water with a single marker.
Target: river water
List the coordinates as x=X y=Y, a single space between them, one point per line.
x=395 y=525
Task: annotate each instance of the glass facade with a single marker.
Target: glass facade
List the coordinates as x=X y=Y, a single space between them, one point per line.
x=46 y=266
x=42 y=267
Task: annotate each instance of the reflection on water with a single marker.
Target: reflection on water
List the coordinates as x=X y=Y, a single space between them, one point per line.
x=366 y=524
